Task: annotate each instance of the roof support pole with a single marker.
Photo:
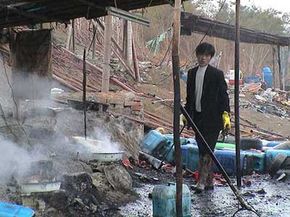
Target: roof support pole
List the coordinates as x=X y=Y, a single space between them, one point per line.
x=107 y=53
x=237 y=91
x=280 y=68
x=274 y=70
x=73 y=35
x=94 y=42
x=175 y=63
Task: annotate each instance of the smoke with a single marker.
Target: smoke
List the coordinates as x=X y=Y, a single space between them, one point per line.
x=106 y=142
x=99 y=141
x=15 y=161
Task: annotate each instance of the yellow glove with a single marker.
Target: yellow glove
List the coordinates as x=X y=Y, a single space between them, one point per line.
x=182 y=120
x=226 y=120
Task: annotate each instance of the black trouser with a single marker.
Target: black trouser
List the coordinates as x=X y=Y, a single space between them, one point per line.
x=209 y=134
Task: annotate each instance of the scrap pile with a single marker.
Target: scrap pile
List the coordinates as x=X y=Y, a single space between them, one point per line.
x=257 y=156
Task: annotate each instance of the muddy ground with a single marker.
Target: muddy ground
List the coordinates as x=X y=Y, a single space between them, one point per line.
x=268 y=196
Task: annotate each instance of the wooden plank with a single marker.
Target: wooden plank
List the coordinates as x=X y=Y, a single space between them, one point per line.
x=107 y=54
x=192 y=23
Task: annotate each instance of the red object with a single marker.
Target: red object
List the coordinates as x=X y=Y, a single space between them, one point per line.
x=195 y=175
x=126 y=162
x=232 y=82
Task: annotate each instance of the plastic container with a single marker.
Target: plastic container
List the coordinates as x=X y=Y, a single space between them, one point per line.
x=221 y=145
x=272 y=153
x=190 y=156
x=151 y=141
x=251 y=143
x=255 y=161
x=227 y=158
x=164 y=197
x=283 y=146
x=252 y=79
x=13 y=210
x=169 y=137
x=267 y=77
x=270 y=144
x=165 y=150
x=190 y=141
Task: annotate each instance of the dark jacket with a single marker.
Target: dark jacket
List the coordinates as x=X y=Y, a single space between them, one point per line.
x=214 y=99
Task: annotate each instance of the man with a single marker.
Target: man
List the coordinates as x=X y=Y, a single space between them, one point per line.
x=207 y=103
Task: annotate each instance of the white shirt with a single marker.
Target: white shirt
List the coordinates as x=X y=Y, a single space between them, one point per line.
x=198 y=86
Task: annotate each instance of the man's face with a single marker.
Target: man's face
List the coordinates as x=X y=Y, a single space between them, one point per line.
x=203 y=59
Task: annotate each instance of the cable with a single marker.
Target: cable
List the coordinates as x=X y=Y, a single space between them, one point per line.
x=210 y=27
x=93 y=38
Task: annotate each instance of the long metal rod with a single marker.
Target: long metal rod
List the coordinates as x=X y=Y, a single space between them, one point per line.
x=85 y=93
x=218 y=164
x=176 y=82
x=237 y=91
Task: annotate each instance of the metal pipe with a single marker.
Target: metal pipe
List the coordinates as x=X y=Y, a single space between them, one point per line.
x=176 y=82
x=242 y=201
x=237 y=91
x=85 y=93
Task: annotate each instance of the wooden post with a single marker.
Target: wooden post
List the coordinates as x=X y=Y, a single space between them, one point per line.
x=237 y=92
x=274 y=70
x=176 y=81
x=107 y=54
x=129 y=44
x=73 y=36
x=135 y=62
x=94 y=42
x=68 y=41
x=280 y=68
x=125 y=33
x=286 y=67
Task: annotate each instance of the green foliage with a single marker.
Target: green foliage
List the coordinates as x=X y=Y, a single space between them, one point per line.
x=269 y=20
x=252 y=17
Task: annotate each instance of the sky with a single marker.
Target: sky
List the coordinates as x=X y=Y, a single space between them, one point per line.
x=279 y=5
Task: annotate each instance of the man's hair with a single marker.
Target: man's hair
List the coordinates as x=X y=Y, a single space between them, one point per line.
x=205 y=48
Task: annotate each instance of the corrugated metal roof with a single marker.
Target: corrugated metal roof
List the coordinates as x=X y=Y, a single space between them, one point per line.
x=24 y=12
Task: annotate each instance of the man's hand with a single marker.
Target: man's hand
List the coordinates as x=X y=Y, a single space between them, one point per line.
x=226 y=121
x=182 y=120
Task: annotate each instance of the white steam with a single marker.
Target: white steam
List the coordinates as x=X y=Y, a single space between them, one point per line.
x=15 y=161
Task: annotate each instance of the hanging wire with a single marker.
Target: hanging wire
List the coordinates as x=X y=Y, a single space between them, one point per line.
x=210 y=27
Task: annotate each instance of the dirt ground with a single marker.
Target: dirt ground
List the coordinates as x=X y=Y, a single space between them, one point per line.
x=268 y=196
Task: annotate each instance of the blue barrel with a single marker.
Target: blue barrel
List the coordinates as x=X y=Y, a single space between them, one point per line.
x=255 y=161
x=270 y=144
x=227 y=158
x=268 y=76
x=165 y=149
x=252 y=79
x=151 y=141
x=13 y=210
x=190 y=156
x=170 y=138
x=164 y=197
x=272 y=153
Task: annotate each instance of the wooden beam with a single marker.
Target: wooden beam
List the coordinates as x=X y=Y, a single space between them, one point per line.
x=192 y=23
x=107 y=54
